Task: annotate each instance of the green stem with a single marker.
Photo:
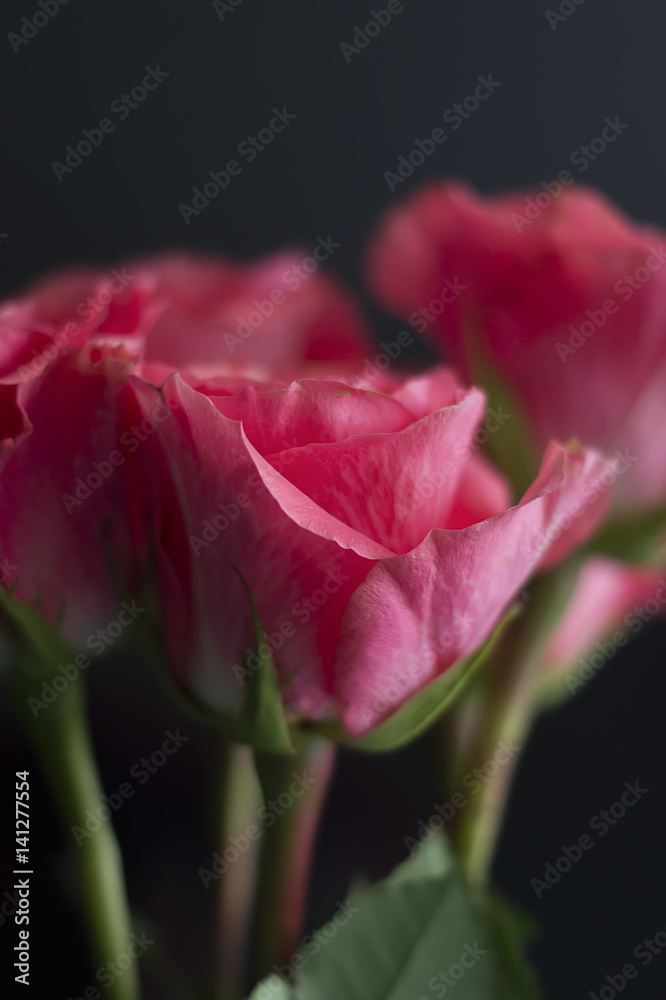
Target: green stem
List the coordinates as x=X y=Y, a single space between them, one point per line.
x=287 y=847
x=239 y=805
x=508 y=701
x=60 y=739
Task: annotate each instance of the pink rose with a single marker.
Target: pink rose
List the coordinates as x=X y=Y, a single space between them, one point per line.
x=58 y=315
x=378 y=548
x=274 y=314
x=566 y=297
x=202 y=312
x=69 y=349
x=74 y=522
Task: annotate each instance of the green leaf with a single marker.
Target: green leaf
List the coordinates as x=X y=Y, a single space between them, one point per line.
x=262 y=724
x=431 y=858
x=422 y=708
x=407 y=938
x=512 y=928
x=272 y=988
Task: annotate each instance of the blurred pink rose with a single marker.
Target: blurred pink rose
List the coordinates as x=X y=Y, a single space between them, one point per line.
x=175 y=310
x=611 y=602
x=566 y=296
x=273 y=314
x=69 y=347
x=74 y=529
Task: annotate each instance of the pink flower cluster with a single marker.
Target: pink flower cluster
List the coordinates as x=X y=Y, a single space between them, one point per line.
x=186 y=430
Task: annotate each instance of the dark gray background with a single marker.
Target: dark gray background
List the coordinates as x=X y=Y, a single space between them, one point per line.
x=324 y=175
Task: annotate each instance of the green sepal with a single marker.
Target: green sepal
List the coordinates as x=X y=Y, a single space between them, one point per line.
x=425 y=706
x=36 y=647
x=262 y=722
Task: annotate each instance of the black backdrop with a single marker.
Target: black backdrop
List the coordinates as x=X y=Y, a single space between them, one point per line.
x=325 y=175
